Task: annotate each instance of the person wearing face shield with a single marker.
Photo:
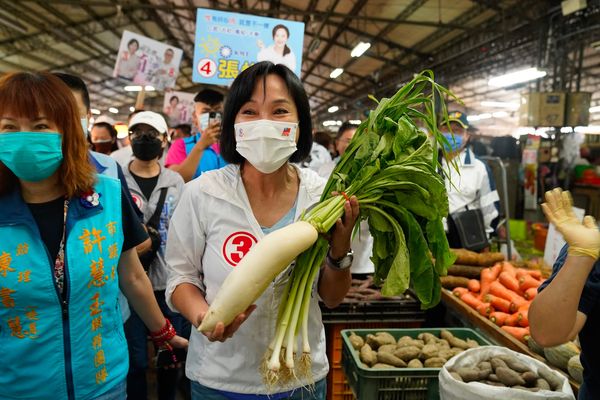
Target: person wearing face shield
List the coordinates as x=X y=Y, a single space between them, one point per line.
x=223 y=213
x=472 y=186
x=193 y=155
x=156 y=190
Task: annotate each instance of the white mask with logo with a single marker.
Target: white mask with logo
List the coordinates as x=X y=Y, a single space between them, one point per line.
x=266 y=144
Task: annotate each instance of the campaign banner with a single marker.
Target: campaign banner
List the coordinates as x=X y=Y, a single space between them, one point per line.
x=145 y=61
x=178 y=107
x=227 y=43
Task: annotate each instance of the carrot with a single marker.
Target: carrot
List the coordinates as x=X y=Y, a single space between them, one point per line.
x=528 y=282
x=512 y=320
x=509 y=281
x=498 y=303
x=474 y=285
x=471 y=300
x=459 y=291
x=489 y=275
x=524 y=318
x=498 y=317
x=485 y=309
x=520 y=333
x=497 y=289
x=509 y=268
x=537 y=274
x=531 y=293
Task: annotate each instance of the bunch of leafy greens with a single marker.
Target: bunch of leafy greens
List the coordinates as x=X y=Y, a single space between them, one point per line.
x=391 y=166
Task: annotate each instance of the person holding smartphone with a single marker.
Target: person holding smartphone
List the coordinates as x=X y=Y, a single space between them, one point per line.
x=192 y=156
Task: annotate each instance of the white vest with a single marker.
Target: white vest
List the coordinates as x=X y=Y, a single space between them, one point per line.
x=212 y=227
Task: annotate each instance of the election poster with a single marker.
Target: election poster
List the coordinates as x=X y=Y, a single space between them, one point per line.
x=178 y=107
x=227 y=43
x=145 y=61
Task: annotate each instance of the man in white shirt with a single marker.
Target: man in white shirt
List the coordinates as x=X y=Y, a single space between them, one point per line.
x=472 y=186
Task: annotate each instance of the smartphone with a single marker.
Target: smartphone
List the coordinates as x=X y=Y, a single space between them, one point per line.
x=164 y=358
x=214 y=116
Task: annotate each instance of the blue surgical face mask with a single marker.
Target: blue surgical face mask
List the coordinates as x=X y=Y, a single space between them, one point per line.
x=84 y=126
x=31 y=156
x=455 y=142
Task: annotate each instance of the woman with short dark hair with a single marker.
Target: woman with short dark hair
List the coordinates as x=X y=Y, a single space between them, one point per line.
x=223 y=213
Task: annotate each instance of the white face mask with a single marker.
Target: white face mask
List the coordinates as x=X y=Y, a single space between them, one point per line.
x=266 y=144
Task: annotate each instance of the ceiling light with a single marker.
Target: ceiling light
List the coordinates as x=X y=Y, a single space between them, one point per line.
x=138 y=88
x=360 y=48
x=329 y=123
x=355 y=121
x=95 y=111
x=500 y=104
x=113 y=110
x=500 y=114
x=593 y=129
x=594 y=109
x=336 y=72
x=333 y=109
x=524 y=75
x=131 y=109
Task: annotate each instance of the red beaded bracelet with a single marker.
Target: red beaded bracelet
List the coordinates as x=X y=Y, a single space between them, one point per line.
x=162 y=336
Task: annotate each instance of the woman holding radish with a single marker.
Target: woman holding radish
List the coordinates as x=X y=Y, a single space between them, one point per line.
x=224 y=213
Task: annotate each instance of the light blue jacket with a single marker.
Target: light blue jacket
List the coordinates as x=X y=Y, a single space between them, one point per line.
x=72 y=349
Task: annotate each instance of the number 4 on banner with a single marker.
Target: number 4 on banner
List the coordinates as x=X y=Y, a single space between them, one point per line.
x=207 y=68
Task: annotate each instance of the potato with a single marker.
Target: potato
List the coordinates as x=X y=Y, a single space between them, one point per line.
x=493 y=377
x=388 y=348
x=443 y=344
x=514 y=363
x=385 y=338
x=435 y=362
x=456 y=351
x=493 y=383
x=407 y=353
x=428 y=351
x=529 y=377
x=456 y=376
x=418 y=343
x=382 y=366
x=472 y=343
x=509 y=377
x=468 y=374
x=367 y=355
x=405 y=341
x=453 y=340
x=497 y=363
x=415 y=363
x=389 y=358
x=553 y=381
x=542 y=384
x=427 y=337
x=356 y=341
x=446 y=353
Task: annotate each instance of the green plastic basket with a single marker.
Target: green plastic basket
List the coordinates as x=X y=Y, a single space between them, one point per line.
x=395 y=383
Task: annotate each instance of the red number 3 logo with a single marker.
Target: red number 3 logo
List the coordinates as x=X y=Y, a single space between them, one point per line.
x=236 y=246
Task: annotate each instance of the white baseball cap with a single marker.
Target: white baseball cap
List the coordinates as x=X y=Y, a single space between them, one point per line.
x=151 y=118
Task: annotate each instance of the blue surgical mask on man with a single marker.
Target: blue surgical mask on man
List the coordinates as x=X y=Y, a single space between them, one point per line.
x=31 y=156
x=454 y=142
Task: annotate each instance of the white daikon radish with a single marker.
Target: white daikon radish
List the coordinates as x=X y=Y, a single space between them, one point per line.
x=249 y=279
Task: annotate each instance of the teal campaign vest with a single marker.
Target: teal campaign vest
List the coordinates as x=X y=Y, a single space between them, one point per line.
x=210 y=159
x=74 y=349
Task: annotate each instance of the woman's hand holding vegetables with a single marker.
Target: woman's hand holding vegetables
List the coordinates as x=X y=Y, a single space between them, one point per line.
x=221 y=332
x=583 y=238
x=342 y=234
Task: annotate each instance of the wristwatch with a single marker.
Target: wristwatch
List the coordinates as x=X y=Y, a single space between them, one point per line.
x=341 y=263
